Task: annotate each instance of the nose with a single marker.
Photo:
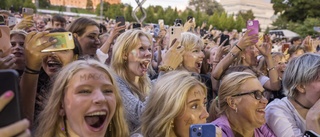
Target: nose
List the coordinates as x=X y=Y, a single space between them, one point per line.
x=98 y=97
x=202 y=54
x=264 y=100
x=204 y=114
x=148 y=53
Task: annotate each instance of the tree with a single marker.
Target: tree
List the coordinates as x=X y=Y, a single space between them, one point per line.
x=306 y=28
x=208 y=6
x=248 y=15
x=89 y=5
x=44 y=3
x=240 y=23
x=297 y=10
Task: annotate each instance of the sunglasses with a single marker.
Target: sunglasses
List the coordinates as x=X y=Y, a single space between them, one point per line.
x=257 y=94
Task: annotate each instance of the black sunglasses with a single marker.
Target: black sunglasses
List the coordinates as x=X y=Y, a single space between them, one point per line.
x=257 y=94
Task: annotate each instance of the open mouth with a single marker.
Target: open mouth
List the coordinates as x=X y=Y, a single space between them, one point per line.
x=17 y=54
x=199 y=64
x=261 y=110
x=54 y=64
x=144 y=64
x=96 y=120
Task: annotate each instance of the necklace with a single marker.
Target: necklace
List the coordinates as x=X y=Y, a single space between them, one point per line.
x=300 y=104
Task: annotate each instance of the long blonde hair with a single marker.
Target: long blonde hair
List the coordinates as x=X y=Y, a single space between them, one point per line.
x=166 y=102
x=51 y=122
x=125 y=43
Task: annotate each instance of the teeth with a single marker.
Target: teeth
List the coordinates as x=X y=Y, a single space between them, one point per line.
x=261 y=110
x=97 y=113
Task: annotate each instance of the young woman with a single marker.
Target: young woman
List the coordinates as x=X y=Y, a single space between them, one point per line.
x=84 y=101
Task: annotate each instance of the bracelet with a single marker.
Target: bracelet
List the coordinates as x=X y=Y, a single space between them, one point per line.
x=31 y=71
x=233 y=55
x=238 y=47
x=165 y=68
x=269 y=69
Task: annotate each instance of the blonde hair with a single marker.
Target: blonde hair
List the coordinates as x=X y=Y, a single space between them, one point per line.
x=230 y=85
x=166 y=102
x=125 y=43
x=190 y=40
x=50 y=121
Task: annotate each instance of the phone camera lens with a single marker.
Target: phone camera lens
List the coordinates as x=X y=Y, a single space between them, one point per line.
x=194 y=129
x=199 y=134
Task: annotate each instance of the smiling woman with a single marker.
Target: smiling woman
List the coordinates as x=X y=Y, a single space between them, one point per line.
x=84 y=101
x=239 y=109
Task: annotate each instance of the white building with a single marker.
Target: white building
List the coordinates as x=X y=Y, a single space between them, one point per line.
x=262 y=10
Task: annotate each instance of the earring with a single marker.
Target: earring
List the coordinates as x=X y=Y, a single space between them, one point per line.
x=171 y=124
x=236 y=110
x=110 y=126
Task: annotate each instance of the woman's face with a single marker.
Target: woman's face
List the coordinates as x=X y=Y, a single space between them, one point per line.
x=250 y=110
x=139 y=58
x=17 y=49
x=280 y=65
x=89 y=103
x=195 y=111
x=250 y=56
x=56 y=60
x=312 y=92
x=192 y=59
x=89 y=41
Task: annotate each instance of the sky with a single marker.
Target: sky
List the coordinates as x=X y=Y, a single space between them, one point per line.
x=180 y=4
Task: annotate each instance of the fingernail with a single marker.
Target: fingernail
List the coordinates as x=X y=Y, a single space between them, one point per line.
x=8 y=94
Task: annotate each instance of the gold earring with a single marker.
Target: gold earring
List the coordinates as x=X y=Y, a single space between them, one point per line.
x=171 y=124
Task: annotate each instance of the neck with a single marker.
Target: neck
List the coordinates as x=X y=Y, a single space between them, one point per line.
x=241 y=128
x=302 y=111
x=133 y=78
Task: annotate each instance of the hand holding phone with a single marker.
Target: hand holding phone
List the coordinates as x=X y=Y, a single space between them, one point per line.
x=27 y=12
x=122 y=21
x=253 y=25
x=175 y=33
x=5 y=44
x=223 y=38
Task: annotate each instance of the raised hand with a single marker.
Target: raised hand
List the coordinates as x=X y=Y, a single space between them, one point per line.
x=173 y=57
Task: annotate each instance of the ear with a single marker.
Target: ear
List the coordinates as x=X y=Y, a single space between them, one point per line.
x=125 y=56
x=62 y=111
x=301 y=89
x=208 y=61
x=75 y=57
x=232 y=102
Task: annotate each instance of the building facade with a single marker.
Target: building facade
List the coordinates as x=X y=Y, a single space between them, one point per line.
x=262 y=10
x=80 y=3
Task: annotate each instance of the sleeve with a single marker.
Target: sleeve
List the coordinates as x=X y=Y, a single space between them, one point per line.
x=281 y=121
x=102 y=56
x=263 y=79
x=132 y=105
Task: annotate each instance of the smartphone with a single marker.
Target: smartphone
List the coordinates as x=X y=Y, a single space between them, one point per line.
x=310 y=133
x=27 y=12
x=2 y=20
x=189 y=17
x=224 y=37
x=136 y=26
x=175 y=33
x=178 y=22
x=202 y=130
x=11 y=113
x=254 y=26
x=161 y=21
x=285 y=46
x=64 y=41
x=12 y=21
x=4 y=39
x=122 y=21
x=156 y=30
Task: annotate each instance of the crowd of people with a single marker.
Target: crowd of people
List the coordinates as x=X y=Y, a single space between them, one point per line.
x=123 y=81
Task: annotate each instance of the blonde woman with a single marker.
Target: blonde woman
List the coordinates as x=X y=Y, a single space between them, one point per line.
x=130 y=61
x=178 y=100
x=239 y=109
x=84 y=101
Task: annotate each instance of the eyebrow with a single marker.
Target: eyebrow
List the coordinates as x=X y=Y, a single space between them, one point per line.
x=195 y=100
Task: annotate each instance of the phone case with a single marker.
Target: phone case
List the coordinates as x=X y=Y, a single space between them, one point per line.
x=11 y=113
x=65 y=41
x=202 y=130
x=27 y=12
x=4 y=39
x=254 y=26
x=12 y=21
x=175 y=33
x=123 y=22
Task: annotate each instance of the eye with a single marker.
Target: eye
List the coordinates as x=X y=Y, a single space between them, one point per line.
x=108 y=91
x=141 y=48
x=85 y=91
x=149 y=49
x=195 y=106
x=195 y=50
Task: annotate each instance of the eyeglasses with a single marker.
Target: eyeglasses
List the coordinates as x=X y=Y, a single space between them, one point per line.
x=257 y=94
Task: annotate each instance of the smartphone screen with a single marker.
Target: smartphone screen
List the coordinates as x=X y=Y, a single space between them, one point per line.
x=285 y=46
x=64 y=41
x=224 y=37
x=202 y=130
x=11 y=113
x=2 y=21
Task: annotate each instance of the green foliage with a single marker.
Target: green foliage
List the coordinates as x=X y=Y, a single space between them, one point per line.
x=248 y=15
x=44 y=3
x=208 y=6
x=305 y=28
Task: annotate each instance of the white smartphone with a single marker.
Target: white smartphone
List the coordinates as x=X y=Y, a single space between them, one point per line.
x=175 y=33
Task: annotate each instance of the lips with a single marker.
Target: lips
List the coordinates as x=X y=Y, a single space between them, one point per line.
x=17 y=53
x=144 y=65
x=54 y=65
x=261 y=110
x=96 y=120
